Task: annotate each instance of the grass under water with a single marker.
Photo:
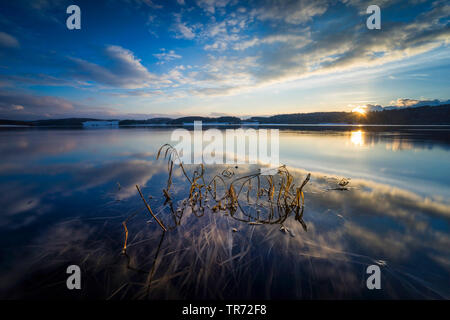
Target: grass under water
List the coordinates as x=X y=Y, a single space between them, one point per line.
x=255 y=199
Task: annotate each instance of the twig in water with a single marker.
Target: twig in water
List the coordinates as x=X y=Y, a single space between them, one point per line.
x=150 y=209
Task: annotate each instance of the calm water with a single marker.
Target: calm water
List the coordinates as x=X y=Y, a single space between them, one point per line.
x=64 y=195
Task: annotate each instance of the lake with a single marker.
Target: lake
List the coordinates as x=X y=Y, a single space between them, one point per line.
x=377 y=196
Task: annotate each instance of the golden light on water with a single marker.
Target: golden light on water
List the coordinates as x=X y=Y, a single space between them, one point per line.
x=357 y=138
x=360 y=109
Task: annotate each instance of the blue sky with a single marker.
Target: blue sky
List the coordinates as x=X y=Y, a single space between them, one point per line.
x=142 y=58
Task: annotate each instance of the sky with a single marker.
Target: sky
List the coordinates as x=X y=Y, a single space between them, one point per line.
x=139 y=59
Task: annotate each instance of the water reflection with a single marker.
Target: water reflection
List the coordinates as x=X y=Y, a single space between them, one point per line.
x=57 y=211
x=357 y=138
x=408 y=158
x=393 y=141
x=400 y=145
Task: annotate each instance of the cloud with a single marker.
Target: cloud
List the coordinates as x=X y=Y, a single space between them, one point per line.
x=406 y=103
x=182 y=30
x=285 y=54
x=401 y=102
x=125 y=70
x=219 y=114
x=301 y=40
x=40 y=80
x=8 y=41
x=363 y=4
x=211 y=5
x=265 y=43
x=138 y=93
x=167 y=56
x=222 y=43
x=290 y=11
x=223 y=75
x=219 y=33
x=373 y=107
x=289 y=56
x=22 y=105
x=186 y=31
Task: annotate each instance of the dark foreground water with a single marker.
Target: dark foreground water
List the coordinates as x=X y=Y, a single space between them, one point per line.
x=65 y=193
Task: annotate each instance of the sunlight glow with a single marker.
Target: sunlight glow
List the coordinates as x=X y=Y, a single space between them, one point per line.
x=360 y=109
x=357 y=138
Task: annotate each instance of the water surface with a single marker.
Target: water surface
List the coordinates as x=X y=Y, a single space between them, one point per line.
x=65 y=192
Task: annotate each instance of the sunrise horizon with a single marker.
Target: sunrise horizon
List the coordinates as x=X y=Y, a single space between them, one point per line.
x=212 y=58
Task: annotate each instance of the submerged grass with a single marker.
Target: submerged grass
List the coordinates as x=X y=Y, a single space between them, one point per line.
x=253 y=199
x=271 y=202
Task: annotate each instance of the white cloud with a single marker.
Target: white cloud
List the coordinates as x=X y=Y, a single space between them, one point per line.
x=167 y=56
x=186 y=31
x=291 y=57
x=296 y=40
x=183 y=31
x=290 y=11
x=287 y=54
x=405 y=103
x=126 y=71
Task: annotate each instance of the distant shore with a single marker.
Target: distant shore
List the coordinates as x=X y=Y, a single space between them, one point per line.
x=427 y=115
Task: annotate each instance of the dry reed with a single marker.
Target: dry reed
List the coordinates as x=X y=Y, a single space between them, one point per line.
x=254 y=199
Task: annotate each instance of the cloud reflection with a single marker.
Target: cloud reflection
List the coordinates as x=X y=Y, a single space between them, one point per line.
x=347 y=230
x=58 y=210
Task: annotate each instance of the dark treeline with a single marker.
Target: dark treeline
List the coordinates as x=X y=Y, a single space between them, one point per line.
x=407 y=116
x=420 y=115
x=180 y=121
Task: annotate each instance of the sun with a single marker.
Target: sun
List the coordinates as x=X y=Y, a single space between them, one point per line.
x=360 y=109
